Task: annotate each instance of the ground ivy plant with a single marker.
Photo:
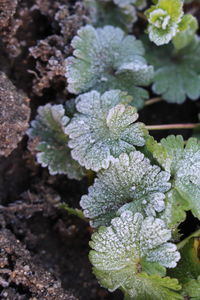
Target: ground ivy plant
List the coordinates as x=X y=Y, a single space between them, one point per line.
x=141 y=189
x=106 y=58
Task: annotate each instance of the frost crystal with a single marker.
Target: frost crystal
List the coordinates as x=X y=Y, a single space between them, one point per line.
x=121 y=250
x=49 y=129
x=129 y=183
x=106 y=58
x=176 y=73
x=164 y=18
x=183 y=162
x=103 y=129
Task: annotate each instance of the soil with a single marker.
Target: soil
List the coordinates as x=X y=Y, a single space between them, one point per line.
x=43 y=250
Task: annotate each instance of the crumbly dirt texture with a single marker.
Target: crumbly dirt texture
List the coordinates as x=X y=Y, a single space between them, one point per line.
x=43 y=250
x=14 y=115
x=18 y=268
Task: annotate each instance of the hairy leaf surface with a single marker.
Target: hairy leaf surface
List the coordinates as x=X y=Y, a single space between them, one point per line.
x=104 y=128
x=183 y=162
x=121 y=250
x=129 y=183
x=53 y=152
x=105 y=58
x=164 y=19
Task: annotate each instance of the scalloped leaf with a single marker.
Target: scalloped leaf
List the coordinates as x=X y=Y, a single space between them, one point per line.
x=104 y=59
x=104 y=128
x=129 y=183
x=53 y=152
x=176 y=73
x=183 y=162
x=119 y=253
x=164 y=18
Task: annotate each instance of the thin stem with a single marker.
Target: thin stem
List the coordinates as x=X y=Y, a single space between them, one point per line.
x=73 y=211
x=152 y=101
x=141 y=15
x=172 y=126
x=184 y=242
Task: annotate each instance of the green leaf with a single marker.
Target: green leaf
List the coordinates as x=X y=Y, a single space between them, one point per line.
x=176 y=72
x=138 y=3
x=192 y=289
x=174 y=212
x=183 y=162
x=109 y=13
x=164 y=18
x=105 y=59
x=196 y=131
x=187 y=28
x=104 y=128
x=118 y=251
x=189 y=266
x=53 y=152
x=129 y=183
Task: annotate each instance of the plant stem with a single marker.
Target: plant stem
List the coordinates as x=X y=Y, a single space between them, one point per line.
x=152 y=101
x=142 y=16
x=171 y=126
x=181 y=244
x=73 y=211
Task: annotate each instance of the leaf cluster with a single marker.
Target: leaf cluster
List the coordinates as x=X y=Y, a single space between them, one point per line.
x=143 y=188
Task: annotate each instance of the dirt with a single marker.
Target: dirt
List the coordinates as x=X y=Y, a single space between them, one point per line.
x=43 y=250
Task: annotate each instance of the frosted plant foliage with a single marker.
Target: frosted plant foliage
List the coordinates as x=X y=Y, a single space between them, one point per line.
x=124 y=253
x=104 y=128
x=129 y=183
x=183 y=162
x=164 y=19
x=105 y=58
x=49 y=129
x=176 y=72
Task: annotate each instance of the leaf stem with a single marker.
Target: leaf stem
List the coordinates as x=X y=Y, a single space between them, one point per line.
x=181 y=244
x=171 y=126
x=152 y=101
x=141 y=15
x=73 y=211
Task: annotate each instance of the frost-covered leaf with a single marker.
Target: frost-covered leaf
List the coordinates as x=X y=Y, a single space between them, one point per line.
x=53 y=152
x=183 y=162
x=176 y=72
x=103 y=128
x=129 y=183
x=104 y=59
x=164 y=19
x=108 y=13
x=119 y=253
